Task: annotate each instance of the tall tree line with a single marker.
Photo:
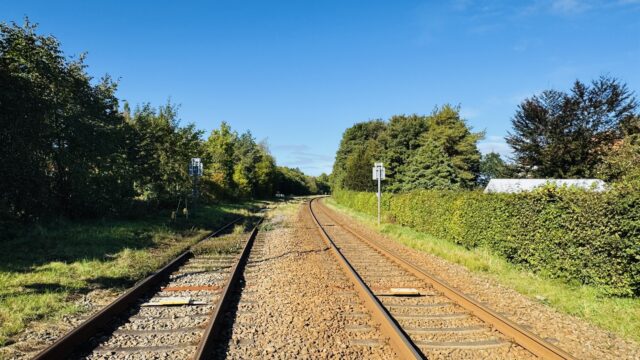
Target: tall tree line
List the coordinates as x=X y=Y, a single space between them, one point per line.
x=67 y=148
x=419 y=152
x=591 y=131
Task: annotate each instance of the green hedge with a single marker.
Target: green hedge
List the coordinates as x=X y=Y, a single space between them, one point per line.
x=580 y=236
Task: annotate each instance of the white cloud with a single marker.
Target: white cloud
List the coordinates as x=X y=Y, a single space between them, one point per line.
x=301 y=156
x=497 y=144
x=569 y=6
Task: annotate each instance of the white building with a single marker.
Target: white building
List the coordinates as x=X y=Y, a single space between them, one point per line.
x=519 y=185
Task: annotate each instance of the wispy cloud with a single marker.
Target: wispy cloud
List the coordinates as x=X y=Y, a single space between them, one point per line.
x=301 y=156
x=569 y=6
x=573 y=7
x=497 y=144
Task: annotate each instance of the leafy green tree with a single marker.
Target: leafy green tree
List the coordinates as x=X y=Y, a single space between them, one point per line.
x=162 y=150
x=219 y=158
x=399 y=140
x=247 y=155
x=564 y=135
x=430 y=168
x=622 y=162
x=324 y=183
x=357 y=175
x=493 y=167
x=291 y=181
x=62 y=144
x=353 y=139
x=451 y=133
x=265 y=173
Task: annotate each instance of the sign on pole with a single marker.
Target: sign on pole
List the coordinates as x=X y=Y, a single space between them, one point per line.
x=195 y=167
x=195 y=171
x=378 y=174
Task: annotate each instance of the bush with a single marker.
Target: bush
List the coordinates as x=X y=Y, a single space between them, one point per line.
x=580 y=236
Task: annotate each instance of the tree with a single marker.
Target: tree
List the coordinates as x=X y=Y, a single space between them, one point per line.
x=564 y=135
x=430 y=168
x=357 y=173
x=162 y=150
x=324 y=183
x=291 y=181
x=451 y=133
x=219 y=150
x=62 y=144
x=492 y=167
x=622 y=163
x=399 y=140
x=265 y=173
x=353 y=139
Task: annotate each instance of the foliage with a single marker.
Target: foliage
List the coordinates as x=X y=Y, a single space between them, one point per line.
x=324 y=183
x=354 y=140
x=292 y=181
x=440 y=146
x=429 y=168
x=219 y=150
x=493 y=167
x=565 y=135
x=578 y=236
x=159 y=150
x=398 y=143
x=358 y=168
x=62 y=140
x=450 y=132
x=66 y=149
x=622 y=162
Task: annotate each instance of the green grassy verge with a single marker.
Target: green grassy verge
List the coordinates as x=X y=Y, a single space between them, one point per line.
x=618 y=315
x=44 y=268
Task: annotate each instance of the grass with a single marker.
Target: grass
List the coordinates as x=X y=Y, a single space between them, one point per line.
x=44 y=268
x=618 y=315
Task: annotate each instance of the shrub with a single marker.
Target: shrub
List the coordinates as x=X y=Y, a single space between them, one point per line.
x=580 y=236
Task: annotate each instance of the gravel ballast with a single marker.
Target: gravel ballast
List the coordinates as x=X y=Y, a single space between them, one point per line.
x=297 y=303
x=574 y=335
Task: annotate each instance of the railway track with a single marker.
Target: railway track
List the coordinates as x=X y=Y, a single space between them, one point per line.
x=174 y=313
x=422 y=316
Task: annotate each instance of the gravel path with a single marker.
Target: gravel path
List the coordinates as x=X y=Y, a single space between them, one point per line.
x=583 y=340
x=296 y=302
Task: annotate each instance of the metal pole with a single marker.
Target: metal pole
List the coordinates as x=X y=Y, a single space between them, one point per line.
x=379 y=195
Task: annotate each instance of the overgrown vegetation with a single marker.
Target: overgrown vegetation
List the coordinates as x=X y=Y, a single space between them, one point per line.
x=45 y=267
x=578 y=236
x=616 y=314
x=67 y=149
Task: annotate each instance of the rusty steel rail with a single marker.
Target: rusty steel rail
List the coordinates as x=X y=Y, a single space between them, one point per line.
x=399 y=340
x=517 y=333
x=214 y=326
x=76 y=338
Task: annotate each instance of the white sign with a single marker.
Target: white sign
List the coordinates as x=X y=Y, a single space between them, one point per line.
x=378 y=171
x=195 y=167
x=378 y=174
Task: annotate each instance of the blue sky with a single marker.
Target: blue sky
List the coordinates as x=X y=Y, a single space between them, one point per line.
x=297 y=73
